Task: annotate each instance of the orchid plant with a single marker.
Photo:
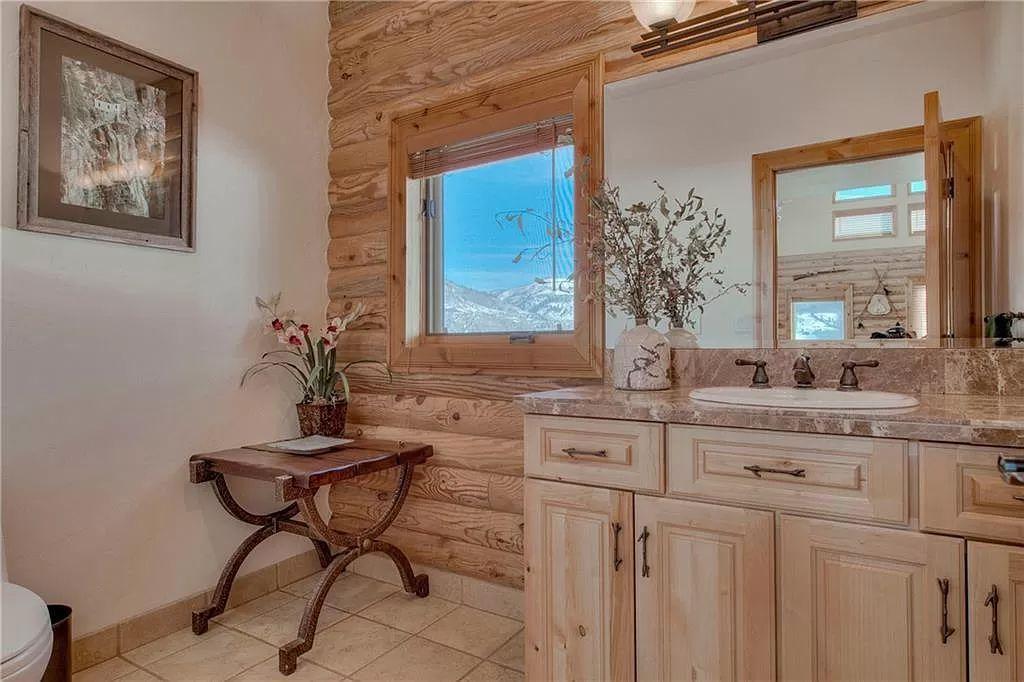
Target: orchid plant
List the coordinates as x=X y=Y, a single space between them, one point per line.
x=310 y=359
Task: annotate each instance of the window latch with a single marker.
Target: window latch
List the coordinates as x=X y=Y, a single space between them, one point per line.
x=429 y=210
x=520 y=337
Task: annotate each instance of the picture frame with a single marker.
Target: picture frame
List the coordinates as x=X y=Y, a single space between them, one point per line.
x=107 y=138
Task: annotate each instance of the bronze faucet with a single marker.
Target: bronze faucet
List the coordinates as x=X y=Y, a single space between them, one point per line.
x=760 y=375
x=848 y=382
x=802 y=374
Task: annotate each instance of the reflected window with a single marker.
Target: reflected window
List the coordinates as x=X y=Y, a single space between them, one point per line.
x=819 y=320
x=916 y=187
x=916 y=219
x=866 y=192
x=863 y=223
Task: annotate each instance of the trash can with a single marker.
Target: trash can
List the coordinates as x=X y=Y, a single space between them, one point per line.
x=59 y=667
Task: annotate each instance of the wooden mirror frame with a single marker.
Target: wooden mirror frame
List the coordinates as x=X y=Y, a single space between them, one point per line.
x=965 y=135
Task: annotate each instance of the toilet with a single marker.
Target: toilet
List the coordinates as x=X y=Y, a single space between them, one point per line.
x=27 y=636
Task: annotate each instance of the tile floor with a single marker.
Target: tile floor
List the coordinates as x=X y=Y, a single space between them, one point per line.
x=368 y=630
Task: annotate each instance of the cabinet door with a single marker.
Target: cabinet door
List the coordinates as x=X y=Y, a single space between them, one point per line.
x=860 y=603
x=996 y=570
x=705 y=602
x=579 y=582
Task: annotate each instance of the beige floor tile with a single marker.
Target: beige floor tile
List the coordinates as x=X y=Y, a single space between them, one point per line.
x=300 y=588
x=113 y=669
x=280 y=626
x=216 y=658
x=419 y=660
x=487 y=596
x=376 y=566
x=512 y=654
x=352 y=643
x=473 y=631
x=306 y=672
x=408 y=612
x=165 y=646
x=442 y=583
x=352 y=592
x=244 y=612
x=489 y=672
x=139 y=675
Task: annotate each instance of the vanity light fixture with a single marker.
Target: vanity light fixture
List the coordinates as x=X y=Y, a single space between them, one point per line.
x=769 y=19
x=654 y=13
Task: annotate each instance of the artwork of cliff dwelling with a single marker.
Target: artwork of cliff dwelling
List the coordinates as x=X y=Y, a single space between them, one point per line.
x=112 y=141
x=109 y=144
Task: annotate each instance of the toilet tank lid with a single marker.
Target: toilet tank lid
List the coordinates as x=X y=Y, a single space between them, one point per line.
x=25 y=618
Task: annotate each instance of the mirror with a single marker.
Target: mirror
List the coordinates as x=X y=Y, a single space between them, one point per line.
x=818 y=150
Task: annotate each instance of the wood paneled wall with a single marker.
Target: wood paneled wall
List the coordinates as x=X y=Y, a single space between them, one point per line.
x=387 y=58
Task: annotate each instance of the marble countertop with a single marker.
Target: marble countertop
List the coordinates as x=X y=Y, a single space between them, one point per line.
x=974 y=419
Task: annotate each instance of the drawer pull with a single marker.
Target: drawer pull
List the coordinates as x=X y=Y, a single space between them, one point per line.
x=758 y=470
x=573 y=452
x=617 y=527
x=1011 y=469
x=1019 y=498
x=994 y=644
x=945 y=630
x=645 y=570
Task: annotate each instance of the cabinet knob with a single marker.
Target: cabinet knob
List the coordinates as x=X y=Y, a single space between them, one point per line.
x=583 y=631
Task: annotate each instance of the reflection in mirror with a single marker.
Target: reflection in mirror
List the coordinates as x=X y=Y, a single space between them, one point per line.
x=850 y=251
x=702 y=124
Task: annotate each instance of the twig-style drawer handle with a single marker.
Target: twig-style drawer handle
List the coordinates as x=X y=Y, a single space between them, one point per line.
x=1011 y=469
x=573 y=452
x=645 y=570
x=758 y=470
x=617 y=528
x=992 y=600
x=1019 y=498
x=945 y=630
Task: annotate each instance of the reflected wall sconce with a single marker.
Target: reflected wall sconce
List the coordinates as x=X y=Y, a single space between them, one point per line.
x=671 y=29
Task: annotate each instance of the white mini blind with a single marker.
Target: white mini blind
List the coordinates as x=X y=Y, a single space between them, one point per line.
x=858 y=225
x=917 y=220
x=523 y=139
x=918 y=310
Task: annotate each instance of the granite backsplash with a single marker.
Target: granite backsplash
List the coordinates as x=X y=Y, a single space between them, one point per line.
x=973 y=371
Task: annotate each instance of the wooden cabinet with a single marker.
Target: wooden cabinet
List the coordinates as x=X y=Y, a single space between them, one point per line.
x=705 y=589
x=995 y=611
x=860 y=603
x=579 y=582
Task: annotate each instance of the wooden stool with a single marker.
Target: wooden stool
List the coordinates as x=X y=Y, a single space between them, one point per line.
x=296 y=479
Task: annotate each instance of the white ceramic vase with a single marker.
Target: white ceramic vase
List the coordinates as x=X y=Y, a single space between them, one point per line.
x=681 y=337
x=642 y=360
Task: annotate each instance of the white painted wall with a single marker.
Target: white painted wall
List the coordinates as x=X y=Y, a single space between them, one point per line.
x=699 y=125
x=121 y=361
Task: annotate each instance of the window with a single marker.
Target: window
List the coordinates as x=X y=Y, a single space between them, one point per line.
x=499 y=234
x=818 y=320
x=866 y=192
x=916 y=218
x=864 y=223
x=482 y=256
x=917 y=308
x=916 y=187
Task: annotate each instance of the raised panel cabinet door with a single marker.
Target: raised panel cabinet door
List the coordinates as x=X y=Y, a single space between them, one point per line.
x=995 y=611
x=579 y=582
x=860 y=603
x=705 y=592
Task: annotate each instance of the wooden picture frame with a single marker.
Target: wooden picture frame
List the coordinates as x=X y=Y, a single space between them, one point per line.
x=125 y=172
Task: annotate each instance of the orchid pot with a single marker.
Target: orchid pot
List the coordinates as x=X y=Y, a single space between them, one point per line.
x=322 y=419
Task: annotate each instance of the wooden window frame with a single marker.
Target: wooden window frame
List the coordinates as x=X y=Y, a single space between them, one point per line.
x=578 y=88
x=843 y=292
x=870 y=210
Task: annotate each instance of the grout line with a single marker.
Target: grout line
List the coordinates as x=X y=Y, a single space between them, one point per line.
x=500 y=646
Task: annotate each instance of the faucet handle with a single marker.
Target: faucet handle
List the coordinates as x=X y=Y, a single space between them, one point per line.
x=760 y=379
x=848 y=381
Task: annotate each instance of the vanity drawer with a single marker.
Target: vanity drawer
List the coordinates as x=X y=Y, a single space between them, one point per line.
x=616 y=454
x=861 y=478
x=962 y=492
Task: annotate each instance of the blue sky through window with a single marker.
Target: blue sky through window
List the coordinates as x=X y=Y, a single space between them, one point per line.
x=480 y=246
x=868 y=192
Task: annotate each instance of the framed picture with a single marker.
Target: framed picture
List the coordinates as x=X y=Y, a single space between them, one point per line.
x=107 y=146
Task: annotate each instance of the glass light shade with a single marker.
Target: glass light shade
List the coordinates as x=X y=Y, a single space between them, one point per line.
x=650 y=12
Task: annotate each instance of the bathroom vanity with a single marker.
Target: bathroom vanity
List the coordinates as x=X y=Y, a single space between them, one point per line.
x=669 y=539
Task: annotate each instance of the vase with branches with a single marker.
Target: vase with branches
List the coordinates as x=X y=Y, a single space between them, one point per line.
x=310 y=360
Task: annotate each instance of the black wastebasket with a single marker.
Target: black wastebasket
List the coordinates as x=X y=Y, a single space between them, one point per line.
x=59 y=667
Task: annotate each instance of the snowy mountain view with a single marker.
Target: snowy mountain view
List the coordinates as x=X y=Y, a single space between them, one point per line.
x=532 y=307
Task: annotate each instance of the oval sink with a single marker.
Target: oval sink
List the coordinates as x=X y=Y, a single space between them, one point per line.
x=803 y=398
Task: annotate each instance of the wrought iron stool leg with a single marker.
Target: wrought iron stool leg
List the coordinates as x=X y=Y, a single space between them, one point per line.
x=413 y=584
x=201 y=618
x=323 y=551
x=288 y=655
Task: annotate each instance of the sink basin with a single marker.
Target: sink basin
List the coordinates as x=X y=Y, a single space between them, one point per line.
x=803 y=398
